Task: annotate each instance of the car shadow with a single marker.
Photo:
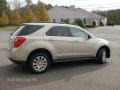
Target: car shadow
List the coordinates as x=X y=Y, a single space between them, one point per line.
x=16 y=76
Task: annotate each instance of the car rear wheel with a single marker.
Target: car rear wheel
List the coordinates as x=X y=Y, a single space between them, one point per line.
x=101 y=56
x=39 y=62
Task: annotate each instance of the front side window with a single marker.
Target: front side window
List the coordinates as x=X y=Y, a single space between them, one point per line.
x=59 y=31
x=76 y=32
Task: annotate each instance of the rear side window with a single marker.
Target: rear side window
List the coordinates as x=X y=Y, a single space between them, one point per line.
x=27 y=29
x=59 y=31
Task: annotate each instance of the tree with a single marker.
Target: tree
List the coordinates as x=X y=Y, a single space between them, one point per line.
x=67 y=21
x=94 y=23
x=3 y=5
x=4 y=19
x=79 y=22
x=49 y=6
x=101 y=23
x=9 y=13
x=54 y=20
x=28 y=14
x=42 y=14
x=16 y=18
x=29 y=2
x=112 y=15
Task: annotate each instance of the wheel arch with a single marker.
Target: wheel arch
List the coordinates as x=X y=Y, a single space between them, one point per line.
x=107 y=51
x=43 y=51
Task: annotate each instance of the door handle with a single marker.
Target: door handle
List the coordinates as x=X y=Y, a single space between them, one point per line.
x=51 y=39
x=76 y=41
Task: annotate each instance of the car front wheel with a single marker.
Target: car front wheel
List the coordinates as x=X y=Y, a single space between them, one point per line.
x=101 y=56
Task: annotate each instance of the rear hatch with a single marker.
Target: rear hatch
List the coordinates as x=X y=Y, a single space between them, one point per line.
x=21 y=32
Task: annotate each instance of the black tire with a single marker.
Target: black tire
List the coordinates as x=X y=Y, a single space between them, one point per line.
x=33 y=58
x=101 y=56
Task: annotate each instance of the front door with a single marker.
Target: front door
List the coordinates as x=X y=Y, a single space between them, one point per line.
x=82 y=45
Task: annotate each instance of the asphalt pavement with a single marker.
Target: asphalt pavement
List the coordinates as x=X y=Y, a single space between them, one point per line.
x=80 y=75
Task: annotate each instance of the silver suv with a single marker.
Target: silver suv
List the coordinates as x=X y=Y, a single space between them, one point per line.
x=40 y=44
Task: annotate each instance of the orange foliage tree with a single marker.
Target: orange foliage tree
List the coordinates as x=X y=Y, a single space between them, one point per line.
x=28 y=15
x=16 y=18
x=4 y=19
x=42 y=14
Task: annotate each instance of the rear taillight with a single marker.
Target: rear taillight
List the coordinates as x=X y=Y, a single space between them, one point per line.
x=18 y=41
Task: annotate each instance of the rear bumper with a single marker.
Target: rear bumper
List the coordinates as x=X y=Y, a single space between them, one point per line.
x=16 y=54
x=17 y=61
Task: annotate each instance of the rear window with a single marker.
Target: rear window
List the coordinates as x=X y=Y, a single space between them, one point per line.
x=59 y=31
x=26 y=30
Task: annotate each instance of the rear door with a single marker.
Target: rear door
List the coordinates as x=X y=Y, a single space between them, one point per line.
x=61 y=40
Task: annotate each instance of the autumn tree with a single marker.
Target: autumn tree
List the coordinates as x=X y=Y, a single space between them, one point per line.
x=16 y=18
x=42 y=14
x=28 y=14
x=4 y=19
x=3 y=5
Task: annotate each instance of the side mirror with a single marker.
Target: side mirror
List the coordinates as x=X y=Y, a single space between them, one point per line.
x=89 y=36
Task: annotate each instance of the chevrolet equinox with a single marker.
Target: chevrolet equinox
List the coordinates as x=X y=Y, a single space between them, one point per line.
x=40 y=44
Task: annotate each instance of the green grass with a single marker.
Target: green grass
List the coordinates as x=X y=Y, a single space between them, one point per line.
x=8 y=28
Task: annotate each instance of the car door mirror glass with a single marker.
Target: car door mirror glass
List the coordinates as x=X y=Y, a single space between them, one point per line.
x=89 y=36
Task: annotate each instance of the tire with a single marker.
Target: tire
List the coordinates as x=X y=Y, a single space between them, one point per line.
x=39 y=62
x=101 y=56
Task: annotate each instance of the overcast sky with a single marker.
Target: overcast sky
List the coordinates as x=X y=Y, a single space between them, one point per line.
x=85 y=4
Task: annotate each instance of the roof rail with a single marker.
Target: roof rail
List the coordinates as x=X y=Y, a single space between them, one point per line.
x=47 y=22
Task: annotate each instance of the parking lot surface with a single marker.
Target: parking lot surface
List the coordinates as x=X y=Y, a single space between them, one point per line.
x=80 y=75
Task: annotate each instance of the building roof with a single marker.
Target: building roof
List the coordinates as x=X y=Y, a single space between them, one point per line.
x=58 y=11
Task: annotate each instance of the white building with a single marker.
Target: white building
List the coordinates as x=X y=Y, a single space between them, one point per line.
x=57 y=14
